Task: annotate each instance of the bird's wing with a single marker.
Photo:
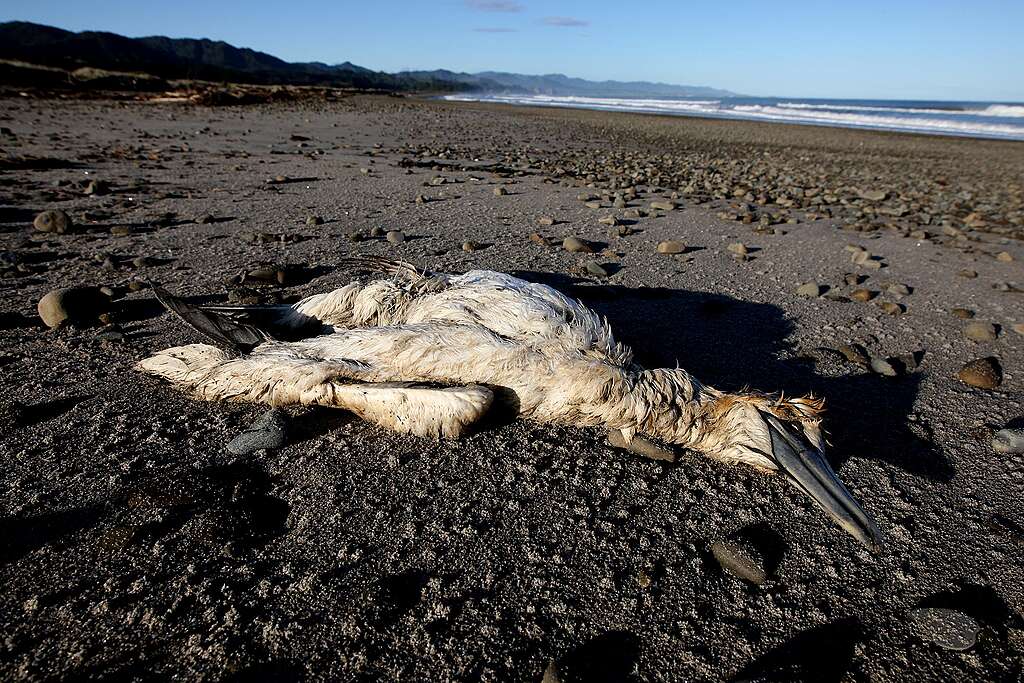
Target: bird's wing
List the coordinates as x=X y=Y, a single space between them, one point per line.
x=225 y=332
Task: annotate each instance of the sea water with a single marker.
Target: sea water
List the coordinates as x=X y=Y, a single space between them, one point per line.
x=970 y=119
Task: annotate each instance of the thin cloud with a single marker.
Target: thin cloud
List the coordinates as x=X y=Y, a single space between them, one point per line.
x=565 y=22
x=495 y=5
x=494 y=29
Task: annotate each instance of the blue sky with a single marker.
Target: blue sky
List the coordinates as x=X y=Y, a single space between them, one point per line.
x=899 y=49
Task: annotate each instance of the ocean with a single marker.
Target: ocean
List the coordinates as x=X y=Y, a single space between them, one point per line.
x=967 y=119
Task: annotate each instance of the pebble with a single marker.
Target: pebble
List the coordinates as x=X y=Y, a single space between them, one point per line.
x=96 y=187
x=1004 y=256
x=500 y=192
x=980 y=331
x=671 y=247
x=421 y=199
x=205 y=219
x=856 y=354
x=268 y=432
x=962 y=313
x=577 y=245
x=891 y=308
x=663 y=206
x=470 y=246
x=738 y=248
x=1008 y=441
x=314 y=220
x=54 y=220
x=595 y=268
x=1018 y=328
x=72 y=305
x=948 y=628
x=984 y=373
x=969 y=274
x=873 y=195
x=739 y=561
x=546 y=220
x=883 y=367
x=861 y=294
x=395 y=236
x=593 y=205
x=641 y=446
x=120 y=230
x=540 y=239
x=608 y=220
x=899 y=289
x=811 y=290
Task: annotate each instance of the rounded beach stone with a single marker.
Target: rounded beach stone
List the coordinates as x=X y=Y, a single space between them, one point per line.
x=984 y=373
x=53 y=220
x=268 y=432
x=575 y=244
x=671 y=247
x=72 y=305
x=739 y=561
x=948 y=628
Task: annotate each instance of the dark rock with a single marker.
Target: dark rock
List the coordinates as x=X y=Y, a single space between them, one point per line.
x=269 y=432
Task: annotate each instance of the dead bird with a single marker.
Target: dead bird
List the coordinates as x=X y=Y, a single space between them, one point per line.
x=429 y=353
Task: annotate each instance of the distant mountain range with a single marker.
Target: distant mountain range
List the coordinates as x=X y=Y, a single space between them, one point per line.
x=209 y=60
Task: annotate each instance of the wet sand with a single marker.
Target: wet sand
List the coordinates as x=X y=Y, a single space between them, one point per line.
x=136 y=546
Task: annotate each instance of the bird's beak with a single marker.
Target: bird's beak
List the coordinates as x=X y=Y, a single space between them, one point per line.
x=806 y=468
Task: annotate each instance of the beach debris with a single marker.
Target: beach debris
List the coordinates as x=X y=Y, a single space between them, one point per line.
x=984 y=373
x=576 y=245
x=950 y=629
x=53 y=220
x=1010 y=440
x=980 y=331
x=740 y=560
x=269 y=432
x=671 y=247
x=72 y=305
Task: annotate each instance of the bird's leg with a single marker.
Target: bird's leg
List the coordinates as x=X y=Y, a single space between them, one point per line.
x=277 y=374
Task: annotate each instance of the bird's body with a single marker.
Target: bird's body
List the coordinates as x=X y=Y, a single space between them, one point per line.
x=428 y=354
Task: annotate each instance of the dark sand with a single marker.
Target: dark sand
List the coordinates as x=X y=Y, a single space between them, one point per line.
x=132 y=546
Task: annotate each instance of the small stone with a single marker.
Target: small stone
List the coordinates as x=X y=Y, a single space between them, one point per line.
x=899 y=289
x=96 y=187
x=537 y=238
x=948 y=628
x=811 y=290
x=595 y=268
x=856 y=354
x=608 y=220
x=470 y=246
x=663 y=206
x=500 y=192
x=1008 y=441
x=861 y=294
x=205 y=219
x=268 y=432
x=671 y=247
x=142 y=261
x=738 y=248
x=883 y=367
x=72 y=305
x=314 y=220
x=640 y=446
x=120 y=230
x=984 y=373
x=969 y=274
x=1018 y=328
x=891 y=308
x=1004 y=256
x=377 y=231
x=546 y=220
x=421 y=199
x=962 y=313
x=593 y=205
x=577 y=245
x=980 y=331
x=55 y=221
x=873 y=195
x=395 y=236
x=739 y=561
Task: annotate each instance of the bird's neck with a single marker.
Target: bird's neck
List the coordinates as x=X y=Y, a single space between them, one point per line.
x=664 y=403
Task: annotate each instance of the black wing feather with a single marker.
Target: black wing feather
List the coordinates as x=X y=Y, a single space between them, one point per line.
x=219 y=328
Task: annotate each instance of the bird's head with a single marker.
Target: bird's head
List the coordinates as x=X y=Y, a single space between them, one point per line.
x=782 y=436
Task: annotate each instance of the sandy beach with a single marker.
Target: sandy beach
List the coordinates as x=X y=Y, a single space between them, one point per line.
x=865 y=267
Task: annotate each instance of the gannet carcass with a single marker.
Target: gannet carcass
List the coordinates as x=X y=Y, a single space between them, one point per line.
x=429 y=353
